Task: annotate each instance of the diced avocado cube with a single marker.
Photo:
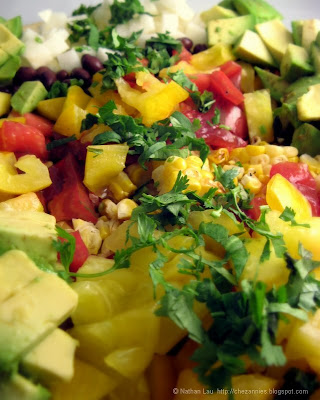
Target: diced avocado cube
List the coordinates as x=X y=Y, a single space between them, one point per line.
x=306 y=139
x=247 y=77
x=251 y=48
x=228 y=30
x=227 y=4
x=297 y=32
x=259 y=114
x=52 y=359
x=274 y=83
x=315 y=57
x=275 y=36
x=308 y=104
x=32 y=314
x=4 y=103
x=300 y=87
x=4 y=56
x=9 y=42
x=16 y=272
x=15 y=26
x=260 y=9
x=9 y=69
x=217 y=12
x=295 y=63
x=310 y=30
x=20 y=388
x=287 y=115
x=32 y=232
x=28 y=96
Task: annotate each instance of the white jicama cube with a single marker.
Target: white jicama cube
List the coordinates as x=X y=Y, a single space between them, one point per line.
x=196 y=32
x=54 y=65
x=175 y=6
x=145 y=22
x=45 y=15
x=37 y=54
x=56 y=42
x=144 y=37
x=169 y=22
x=69 y=60
x=186 y=13
x=29 y=35
x=57 y=20
x=150 y=7
x=102 y=54
x=102 y=14
x=123 y=30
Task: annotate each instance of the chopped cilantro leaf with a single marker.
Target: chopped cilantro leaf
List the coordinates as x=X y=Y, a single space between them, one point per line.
x=288 y=215
x=123 y=11
x=65 y=246
x=60 y=142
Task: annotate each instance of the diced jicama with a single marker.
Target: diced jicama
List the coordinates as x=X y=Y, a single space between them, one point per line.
x=196 y=32
x=56 y=41
x=169 y=22
x=37 y=54
x=69 y=60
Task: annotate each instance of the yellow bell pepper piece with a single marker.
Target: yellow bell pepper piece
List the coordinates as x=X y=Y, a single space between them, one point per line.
x=51 y=108
x=153 y=105
x=281 y=194
x=93 y=106
x=4 y=103
x=77 y=96
x=102 y=164
x=181 y=65
x=24 y=202
x=212 y=57
x=36 y=175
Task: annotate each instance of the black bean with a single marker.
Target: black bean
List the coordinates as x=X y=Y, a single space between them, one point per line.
x=6 y=89
x=91 y=64
x=80 y=73
x=62 y=75
x=187 y=43
x=46 y=76
x=25 y=74
x=199 y=47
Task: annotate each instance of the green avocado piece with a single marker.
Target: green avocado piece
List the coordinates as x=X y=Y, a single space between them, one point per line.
x=20 y=388
x=217 y=12
x=275 y=36
x=9 y=69
x=306 y=139
x=308 y=104
x=315 y=57
x=274 y=83
x=227 y=4
x=310 y=30
x=287 y=115
x=4 y=56
x=32 y=232
x=295 y=63
x=9 y=42
x=299 y=87
x=260 y=9
x=297 y=32
x=228 y=30
x=15 y=26
x=28 y=96
x=251 y=48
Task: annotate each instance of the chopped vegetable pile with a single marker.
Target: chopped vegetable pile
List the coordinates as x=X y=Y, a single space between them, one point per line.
x=160 y=204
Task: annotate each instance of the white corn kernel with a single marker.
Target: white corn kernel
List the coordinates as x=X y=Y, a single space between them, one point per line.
x=290 y=151
x=125 y=208
x=278 y=159
x=109 y=208
x=89 y=234
x=262 y=159
x=274 y=151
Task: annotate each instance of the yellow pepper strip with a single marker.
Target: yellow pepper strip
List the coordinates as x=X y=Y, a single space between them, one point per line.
x=4 y=103
x=103 y=163
x=24 y=202
x=180 y=66
x=281 y=194
x=153 y=105
x=51 y=108
x=36 y=174
x=213 y=57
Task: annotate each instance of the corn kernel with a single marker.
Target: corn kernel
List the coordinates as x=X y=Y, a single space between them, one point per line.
x=138 y=175
x=290 y=151
x=206 y=174
x=125 y=208
x=192 y=173
x=262 y=159
x=293 y=159
x=251 y=182
x=278 y=159
x=255 y=169
x=254 y=150
x=274 y=151
x=194 y=162
x=108 y=208
x=263 y=178
x=194 y=185
x=219 y=156
x=121 y=186
x=266 y=169
x=104 y=228
x=177 y=162
x=89 y=234
x=239 y=154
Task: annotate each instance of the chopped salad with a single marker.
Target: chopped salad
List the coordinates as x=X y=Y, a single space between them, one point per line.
x=160 y=204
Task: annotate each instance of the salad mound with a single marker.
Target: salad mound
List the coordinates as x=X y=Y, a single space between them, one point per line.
x=160 y=204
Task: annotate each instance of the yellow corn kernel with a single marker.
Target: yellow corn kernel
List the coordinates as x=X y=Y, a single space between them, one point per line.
x=266 y=169
x=89 y=234
x=121 y=186
x=194 y=185
x=177 y=162
x=125 y=208
x=293 y=159
x=262 y=159
x=255 y=150
x=263 y=178
x=192 y=173
x=108 y=208
x=206 y=174
x=290 y=151
x=138 y=175
x=313 y=163
x=219 y=156
x=104 y=227
x=256 y=169
x=194 y=162
x=251 y=182
x=274 y=151
x=278 y=159
x=239 y=154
